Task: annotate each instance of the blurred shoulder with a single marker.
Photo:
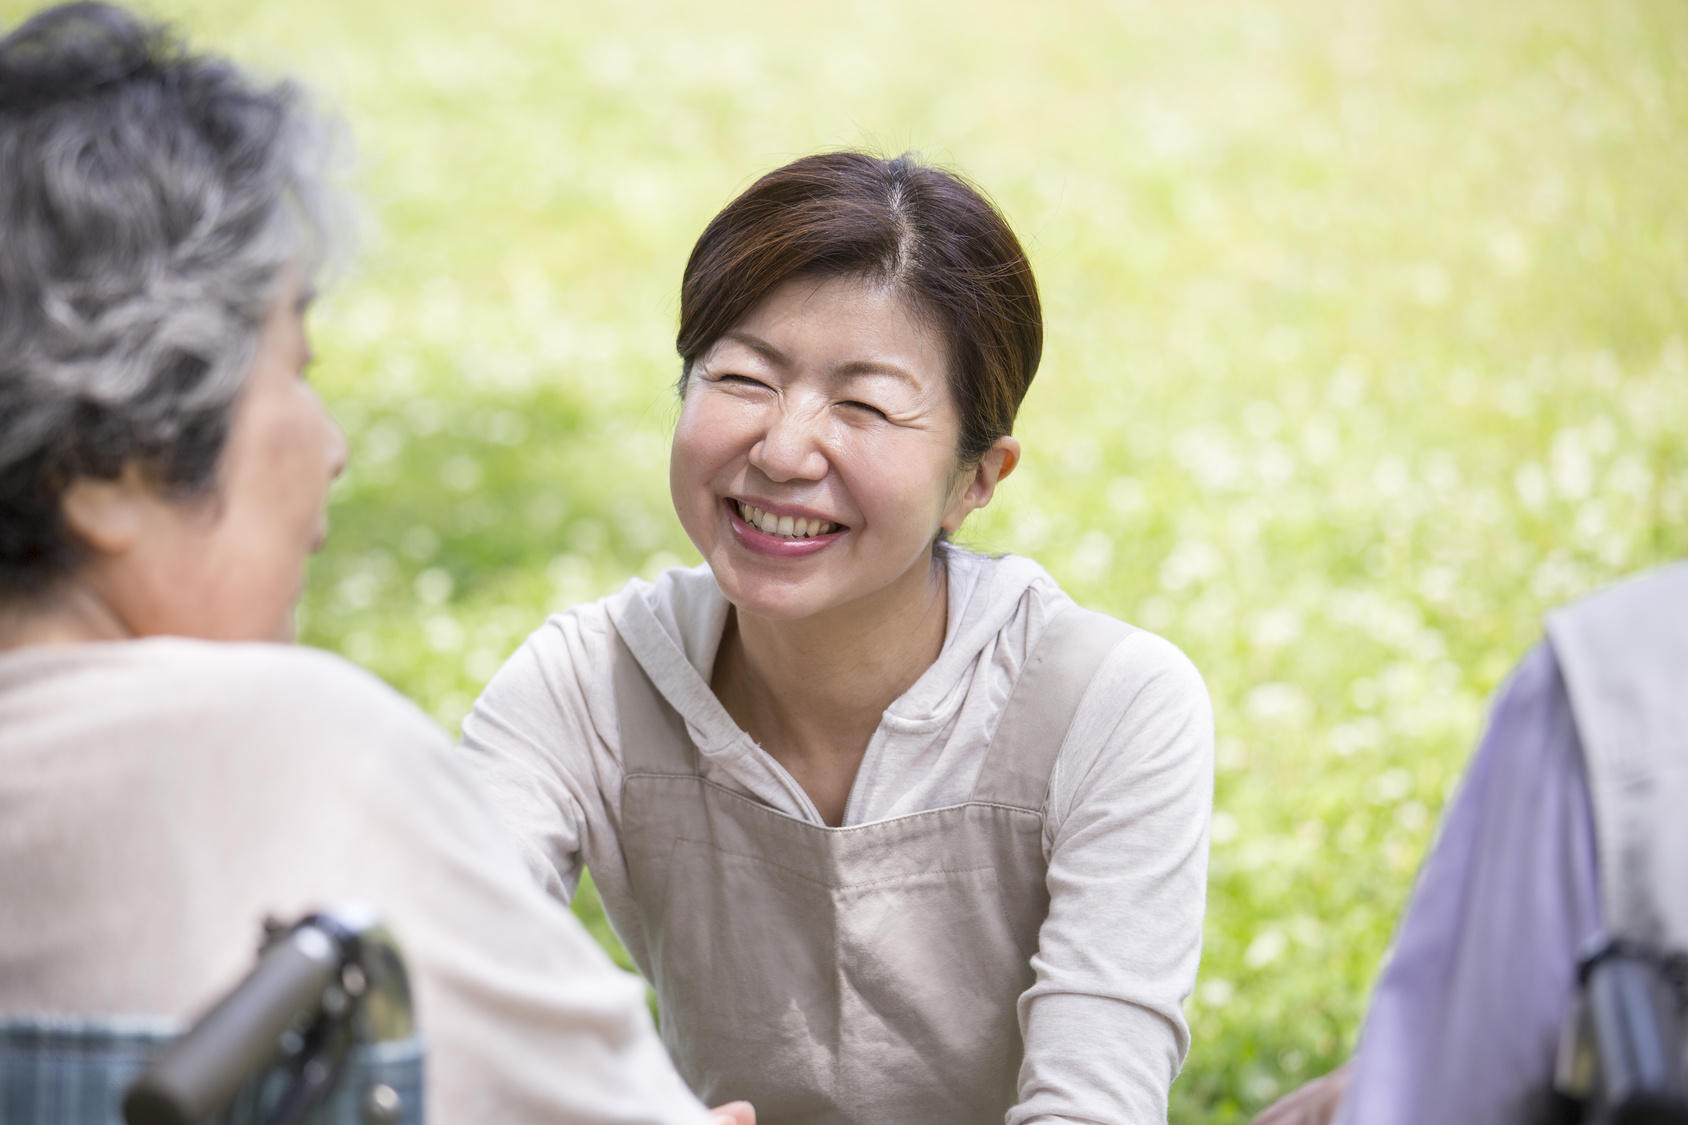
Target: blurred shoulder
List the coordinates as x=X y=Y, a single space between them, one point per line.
x=1648 y=595
x=274 y=668
x=181 y=724
x=304 y=693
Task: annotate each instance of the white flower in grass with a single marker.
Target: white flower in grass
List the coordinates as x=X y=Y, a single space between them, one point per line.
x=1267 y=947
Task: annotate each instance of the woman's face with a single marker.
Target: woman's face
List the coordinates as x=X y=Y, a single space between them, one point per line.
x=230 y=565
x=815 y=458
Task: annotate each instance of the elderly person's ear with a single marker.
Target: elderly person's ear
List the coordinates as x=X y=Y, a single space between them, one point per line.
x=107 y=515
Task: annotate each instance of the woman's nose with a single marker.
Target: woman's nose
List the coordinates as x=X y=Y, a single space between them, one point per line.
x=790 y=447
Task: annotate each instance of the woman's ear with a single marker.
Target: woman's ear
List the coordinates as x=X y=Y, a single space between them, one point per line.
x=108 y=516
x=978 y=484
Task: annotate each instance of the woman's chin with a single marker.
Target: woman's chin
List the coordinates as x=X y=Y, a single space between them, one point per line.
x=770 y=598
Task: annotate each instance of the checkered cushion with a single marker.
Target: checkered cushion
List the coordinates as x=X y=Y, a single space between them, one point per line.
x=63 y=1071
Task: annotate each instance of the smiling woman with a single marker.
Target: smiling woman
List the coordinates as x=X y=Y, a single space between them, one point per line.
x=828 y=405
x=896 y=831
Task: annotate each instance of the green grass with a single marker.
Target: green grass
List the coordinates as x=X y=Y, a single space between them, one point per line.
x=1368 y=341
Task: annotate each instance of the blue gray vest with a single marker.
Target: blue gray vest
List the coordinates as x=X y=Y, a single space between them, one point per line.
x=1624 y=656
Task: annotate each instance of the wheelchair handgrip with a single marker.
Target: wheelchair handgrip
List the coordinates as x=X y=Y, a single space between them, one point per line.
x=1638 y=1038
x=199 y=1074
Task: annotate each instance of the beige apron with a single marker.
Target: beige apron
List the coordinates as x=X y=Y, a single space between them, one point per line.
x=866 y=974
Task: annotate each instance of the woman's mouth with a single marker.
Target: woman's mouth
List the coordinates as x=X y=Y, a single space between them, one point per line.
x=783 y=527
x=772 y=536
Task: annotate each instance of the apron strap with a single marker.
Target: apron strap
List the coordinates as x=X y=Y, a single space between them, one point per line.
x=653 y=736
x=1040 y=709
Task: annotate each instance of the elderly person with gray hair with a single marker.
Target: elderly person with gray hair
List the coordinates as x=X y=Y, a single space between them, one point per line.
x=168 y=778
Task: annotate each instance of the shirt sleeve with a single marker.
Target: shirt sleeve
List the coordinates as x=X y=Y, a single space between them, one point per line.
x=1465 y=1019
x=530 y=739
x=525 y=1019
x=1130 y=802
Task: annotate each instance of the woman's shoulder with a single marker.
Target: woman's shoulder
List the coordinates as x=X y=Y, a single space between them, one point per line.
x=565 y=670
x=571 y=644
x=1027 y=601
x=669 y=623
x=1146 y=659
x=672 y=625
x=1138 y=676
x=1142 y=730
x=679 y=601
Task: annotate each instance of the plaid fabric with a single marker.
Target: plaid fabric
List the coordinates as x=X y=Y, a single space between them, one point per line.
x=57 y=1071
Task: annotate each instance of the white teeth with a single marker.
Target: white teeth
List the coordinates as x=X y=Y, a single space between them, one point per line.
x=786 y=527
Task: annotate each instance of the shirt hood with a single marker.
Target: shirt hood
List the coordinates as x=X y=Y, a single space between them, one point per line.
x=673 y=627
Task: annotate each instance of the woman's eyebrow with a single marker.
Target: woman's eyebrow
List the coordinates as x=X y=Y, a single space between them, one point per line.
x=758 y=345
x=851 y=369
x=857 y=368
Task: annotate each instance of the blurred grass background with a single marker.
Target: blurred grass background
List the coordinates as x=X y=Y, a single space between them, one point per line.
x=1367 y=342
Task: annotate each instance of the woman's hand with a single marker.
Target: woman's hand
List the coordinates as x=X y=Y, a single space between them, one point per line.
x=1312 y=1104
x=733 y=1113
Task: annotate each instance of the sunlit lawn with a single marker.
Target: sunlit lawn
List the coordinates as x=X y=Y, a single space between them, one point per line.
x=1368 y=341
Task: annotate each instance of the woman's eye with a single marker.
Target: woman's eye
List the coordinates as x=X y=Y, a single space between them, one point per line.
x=868 y=407
x=742 y=380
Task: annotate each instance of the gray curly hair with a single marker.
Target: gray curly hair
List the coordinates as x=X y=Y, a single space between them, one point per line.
x=152 y=203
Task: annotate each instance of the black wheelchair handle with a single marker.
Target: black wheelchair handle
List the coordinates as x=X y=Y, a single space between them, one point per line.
x=1631 y=1006
x=200 y=1073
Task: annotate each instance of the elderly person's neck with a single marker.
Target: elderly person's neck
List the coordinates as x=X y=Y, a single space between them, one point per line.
x=71 y=615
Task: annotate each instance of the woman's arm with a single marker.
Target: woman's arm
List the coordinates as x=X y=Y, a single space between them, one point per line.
x=1127 y=835
x=534 y=744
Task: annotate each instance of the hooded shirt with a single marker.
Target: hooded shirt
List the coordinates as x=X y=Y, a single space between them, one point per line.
x=1125 y=829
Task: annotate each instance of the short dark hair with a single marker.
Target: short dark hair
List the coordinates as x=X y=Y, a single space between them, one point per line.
x=926 y=232
x=151 y=201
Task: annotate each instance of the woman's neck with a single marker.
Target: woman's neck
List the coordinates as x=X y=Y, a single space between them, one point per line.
x=812 y=692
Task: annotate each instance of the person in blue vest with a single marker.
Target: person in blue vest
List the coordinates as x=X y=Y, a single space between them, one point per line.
x=1567 y=830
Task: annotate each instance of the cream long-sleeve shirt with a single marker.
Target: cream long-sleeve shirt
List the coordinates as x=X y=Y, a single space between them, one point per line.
x=1125 y=833
x=159 y=798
